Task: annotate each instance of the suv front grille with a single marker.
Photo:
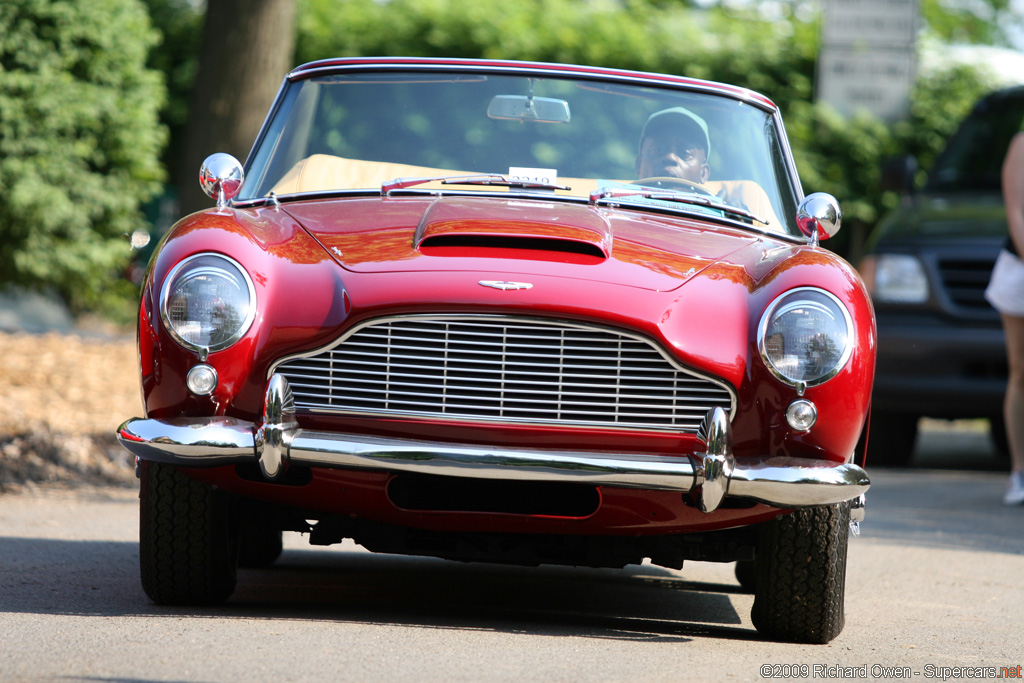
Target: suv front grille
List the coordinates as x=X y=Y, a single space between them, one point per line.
x=965 y=280
x=503 y=370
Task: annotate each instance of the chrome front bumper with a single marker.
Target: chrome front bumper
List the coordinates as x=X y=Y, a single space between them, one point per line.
x=279 y=441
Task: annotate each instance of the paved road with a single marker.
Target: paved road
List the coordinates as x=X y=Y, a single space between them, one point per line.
x=936 y=581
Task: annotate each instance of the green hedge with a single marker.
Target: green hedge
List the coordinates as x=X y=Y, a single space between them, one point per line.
x=79 y=143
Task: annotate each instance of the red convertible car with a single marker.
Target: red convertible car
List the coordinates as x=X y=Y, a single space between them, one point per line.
x=507 y=312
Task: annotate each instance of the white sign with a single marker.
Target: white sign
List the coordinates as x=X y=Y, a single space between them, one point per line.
x=885 y=23
x=877 y=81
x=868 y=56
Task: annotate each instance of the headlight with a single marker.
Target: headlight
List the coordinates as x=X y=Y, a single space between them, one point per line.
x=897 y=278
x=207 y=302
x=804 y=336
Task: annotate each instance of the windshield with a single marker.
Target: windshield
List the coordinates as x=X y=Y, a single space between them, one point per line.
x=364 y=130
x=973 y=157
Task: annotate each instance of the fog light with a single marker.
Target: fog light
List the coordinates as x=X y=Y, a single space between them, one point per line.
x=201 y=380
x=801 y=415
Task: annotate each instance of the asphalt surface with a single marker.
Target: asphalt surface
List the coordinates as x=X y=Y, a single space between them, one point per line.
x=935 y=585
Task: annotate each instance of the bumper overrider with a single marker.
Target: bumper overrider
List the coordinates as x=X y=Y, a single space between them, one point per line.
x=279 y=441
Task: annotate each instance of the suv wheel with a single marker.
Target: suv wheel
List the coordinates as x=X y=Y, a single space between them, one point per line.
x=891 y=439
x=1000 y=439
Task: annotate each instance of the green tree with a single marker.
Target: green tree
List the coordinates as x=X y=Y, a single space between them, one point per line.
x=79 y=142
x=981 y=22
x=175 y=55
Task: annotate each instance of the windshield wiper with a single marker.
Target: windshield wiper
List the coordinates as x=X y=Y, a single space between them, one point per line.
x=676 y=196
x=484 y=179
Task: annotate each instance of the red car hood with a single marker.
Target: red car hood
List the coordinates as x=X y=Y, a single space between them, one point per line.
x=408 y=234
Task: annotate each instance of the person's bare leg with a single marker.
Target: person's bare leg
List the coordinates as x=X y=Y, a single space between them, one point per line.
x=1013 y=406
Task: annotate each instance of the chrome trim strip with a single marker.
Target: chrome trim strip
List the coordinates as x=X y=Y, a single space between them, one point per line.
x=506 y=421
x=493 y=462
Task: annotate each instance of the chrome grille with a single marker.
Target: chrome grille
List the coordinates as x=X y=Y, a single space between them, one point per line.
x=502 y=369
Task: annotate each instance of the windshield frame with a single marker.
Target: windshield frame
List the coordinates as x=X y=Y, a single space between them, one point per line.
x=790 y=192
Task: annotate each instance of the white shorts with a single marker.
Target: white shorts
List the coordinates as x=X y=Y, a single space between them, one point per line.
x=1006 y=288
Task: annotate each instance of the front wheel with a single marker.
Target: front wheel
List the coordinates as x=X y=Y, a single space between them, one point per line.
x=1001 y=440
x=188 y=546
x=891 y=439
x=799 y=594
x=746 y=574
x=259 y=546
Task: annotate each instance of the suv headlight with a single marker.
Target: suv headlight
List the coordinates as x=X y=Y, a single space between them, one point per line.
x=805 y=336
x=207 y=302
x=896 y=278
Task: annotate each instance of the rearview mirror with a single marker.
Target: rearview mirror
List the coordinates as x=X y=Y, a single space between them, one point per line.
x=526 y=108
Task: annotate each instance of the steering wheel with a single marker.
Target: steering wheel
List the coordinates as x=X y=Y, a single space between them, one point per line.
x=671 y=183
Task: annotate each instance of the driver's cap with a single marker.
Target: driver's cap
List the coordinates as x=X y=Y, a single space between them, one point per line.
x=679 y=118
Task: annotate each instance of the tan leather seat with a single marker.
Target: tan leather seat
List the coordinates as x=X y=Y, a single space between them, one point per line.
x=326 y=172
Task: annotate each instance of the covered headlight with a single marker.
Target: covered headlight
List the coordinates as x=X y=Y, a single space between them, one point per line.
x=207 y=302
x=805 y=336
x=896 y=278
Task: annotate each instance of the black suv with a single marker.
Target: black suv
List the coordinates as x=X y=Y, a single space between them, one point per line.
x=941 y=351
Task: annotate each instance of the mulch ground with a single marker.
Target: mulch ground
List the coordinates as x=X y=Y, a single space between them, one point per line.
x=61 y=399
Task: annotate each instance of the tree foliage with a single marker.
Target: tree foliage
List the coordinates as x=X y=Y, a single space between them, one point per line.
x=79 y=141
x=981 y=22
x=176 y=56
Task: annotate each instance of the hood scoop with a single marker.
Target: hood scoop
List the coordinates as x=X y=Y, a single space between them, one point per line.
x=452 y=227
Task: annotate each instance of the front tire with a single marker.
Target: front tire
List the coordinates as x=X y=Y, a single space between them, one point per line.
x=746 y=574
x=1000 y=439
x=188 y=547
x=259 y=546
x=800 y=590
x=892 y=439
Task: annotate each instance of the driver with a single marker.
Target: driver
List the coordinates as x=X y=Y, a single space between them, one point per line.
x=674 y=143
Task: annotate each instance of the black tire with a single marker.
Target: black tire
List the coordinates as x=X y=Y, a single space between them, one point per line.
x=801 y=575
x=892 y=439
x=188 y=550
x=1000 y=439
x=746 y=574
x=259 y=545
